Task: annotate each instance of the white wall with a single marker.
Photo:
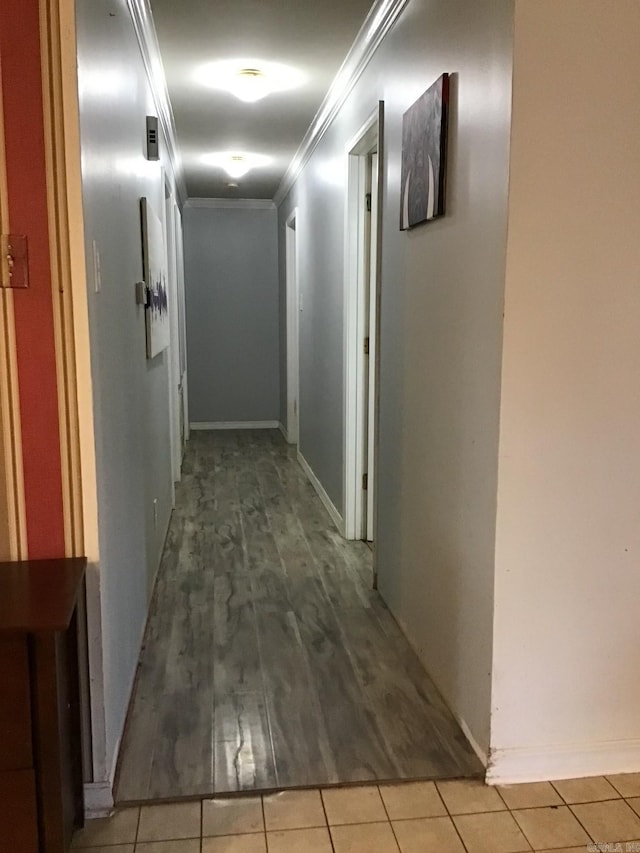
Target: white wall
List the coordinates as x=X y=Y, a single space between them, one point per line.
x=566 y=690
x=231 y=280
x=130 y=392
x=441 y=338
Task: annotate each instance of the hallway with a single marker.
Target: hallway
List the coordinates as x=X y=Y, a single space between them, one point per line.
x=268 y=661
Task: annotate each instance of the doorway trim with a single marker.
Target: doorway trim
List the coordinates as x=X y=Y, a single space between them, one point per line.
x=58 y=56
x=368 y=138
x=173 y=355
x=183 y=387
x=292 y=425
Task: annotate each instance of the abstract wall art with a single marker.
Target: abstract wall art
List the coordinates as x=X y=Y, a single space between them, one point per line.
x=155 y=280
x=424 y=154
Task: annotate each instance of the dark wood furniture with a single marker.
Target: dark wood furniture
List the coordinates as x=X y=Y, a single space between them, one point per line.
x=40 y=742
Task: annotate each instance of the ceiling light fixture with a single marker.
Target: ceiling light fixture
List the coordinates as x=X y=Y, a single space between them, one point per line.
x=250 y=85
x=236 y=163
x=250 y=80
x=237 y=166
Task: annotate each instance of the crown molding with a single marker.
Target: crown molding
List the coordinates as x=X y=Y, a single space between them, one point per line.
x=232 y=203
x=382 y=16
x=145 y=30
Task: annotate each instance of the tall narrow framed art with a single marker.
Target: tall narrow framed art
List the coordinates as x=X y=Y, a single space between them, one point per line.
x=155 y=281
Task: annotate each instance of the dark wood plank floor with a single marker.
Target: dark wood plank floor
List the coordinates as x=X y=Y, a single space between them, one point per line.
x=269 y=662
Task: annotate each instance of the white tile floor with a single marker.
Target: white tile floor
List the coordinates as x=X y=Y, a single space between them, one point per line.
x=414 y=817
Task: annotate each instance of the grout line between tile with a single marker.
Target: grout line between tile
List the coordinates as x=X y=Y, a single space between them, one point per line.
x=580 y=822
x=522 y=832
x=455 y=826
x=613 y=784
x=593 y=802
x=384 y=806
x=446 y=807
x=558 y=792
x=326 y=817
x=506 y=805
x=292 y=829
x=440 y=797
x=264 y=824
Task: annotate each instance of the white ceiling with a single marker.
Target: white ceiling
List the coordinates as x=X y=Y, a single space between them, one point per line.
x=312 y=37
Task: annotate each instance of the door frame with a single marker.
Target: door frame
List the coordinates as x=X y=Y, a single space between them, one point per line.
x=372 y=308
x=368 y=139
x=183 y=387
x=173 y=351
x=292 y=426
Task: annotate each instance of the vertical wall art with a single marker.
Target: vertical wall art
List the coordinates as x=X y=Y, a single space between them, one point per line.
x=424 y=154
x=155 y=279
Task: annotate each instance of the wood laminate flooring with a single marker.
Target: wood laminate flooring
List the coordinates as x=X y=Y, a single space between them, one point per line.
x=268 y=661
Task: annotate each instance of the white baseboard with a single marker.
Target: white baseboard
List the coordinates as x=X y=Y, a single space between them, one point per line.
x=288 y=438
x=324 y=497
x=203 y=425
x=98 y=799
x=509 y=766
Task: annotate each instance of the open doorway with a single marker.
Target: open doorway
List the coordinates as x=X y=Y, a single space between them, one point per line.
x=178 y=419
x=362 y=300
x=292 y=425
x=183 y=390
x=173 y=373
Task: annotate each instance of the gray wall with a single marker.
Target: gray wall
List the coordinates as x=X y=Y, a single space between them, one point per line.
x=131 y=395
x=231 y=269
x=441 y=338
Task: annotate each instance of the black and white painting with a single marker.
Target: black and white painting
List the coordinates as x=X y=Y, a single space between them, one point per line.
x=155 y=279
x=424 y=149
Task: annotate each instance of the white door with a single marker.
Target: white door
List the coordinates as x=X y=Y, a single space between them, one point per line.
x=173 y=353
x=362 y=216
x=371 y=358
x=182 y=332
x=293 y=320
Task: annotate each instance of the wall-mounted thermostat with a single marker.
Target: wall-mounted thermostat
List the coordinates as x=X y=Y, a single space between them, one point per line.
x=153 y=141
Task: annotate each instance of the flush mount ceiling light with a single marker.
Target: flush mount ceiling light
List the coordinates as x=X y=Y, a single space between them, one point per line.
x=236 y=163
x=250 y=80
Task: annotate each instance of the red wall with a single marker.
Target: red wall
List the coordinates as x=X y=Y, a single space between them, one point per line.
x=36 y=358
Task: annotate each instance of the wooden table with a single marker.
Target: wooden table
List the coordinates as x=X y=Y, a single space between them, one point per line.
x=41 y=798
